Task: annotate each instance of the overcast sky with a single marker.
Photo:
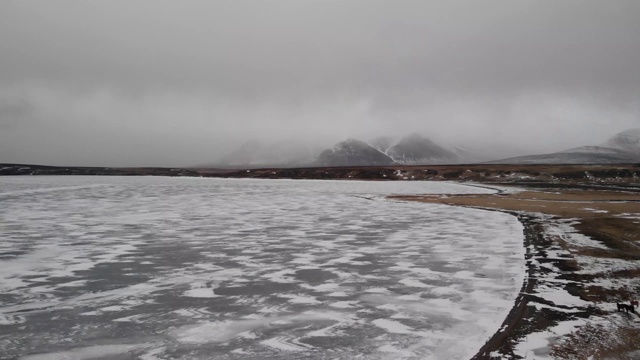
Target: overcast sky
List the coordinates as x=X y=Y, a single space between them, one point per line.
x=174 y=83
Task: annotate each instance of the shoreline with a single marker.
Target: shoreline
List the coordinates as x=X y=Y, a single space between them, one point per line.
x=516 y=313
x=565 y=253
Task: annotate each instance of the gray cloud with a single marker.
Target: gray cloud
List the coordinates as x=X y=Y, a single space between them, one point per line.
x=175 y=83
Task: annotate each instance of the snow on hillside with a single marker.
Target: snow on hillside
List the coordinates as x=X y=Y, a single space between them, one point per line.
x=383 y=143
x=624 y=147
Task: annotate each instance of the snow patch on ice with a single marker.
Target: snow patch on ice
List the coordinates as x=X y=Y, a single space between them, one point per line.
x=89 y=352
x=300 y=299
x=393 y=327
x=282 y=344
x=200 y=293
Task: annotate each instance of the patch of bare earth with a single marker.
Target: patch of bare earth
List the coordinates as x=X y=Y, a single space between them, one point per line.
x=597 y=341
x=582 y=244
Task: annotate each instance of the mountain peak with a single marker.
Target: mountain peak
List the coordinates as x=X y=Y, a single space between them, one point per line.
x=352 y=141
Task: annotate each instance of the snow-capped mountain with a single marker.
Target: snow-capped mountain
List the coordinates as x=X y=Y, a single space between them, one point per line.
x=353 y=152
x=623 y=147
x=417 y=150
x=409 y=150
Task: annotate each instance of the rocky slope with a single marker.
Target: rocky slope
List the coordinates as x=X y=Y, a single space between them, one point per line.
x=417 y=150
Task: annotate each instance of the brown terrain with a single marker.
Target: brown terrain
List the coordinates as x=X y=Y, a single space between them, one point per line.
x=622 y=174
x=601 y=203
x=557 y=175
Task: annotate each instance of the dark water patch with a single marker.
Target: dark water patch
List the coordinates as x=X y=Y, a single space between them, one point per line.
x=255 y=288
x=10 y=255
x=314 y=276
x=331 y=341
x=229 y=264
x=108 y=276
x=368 y=257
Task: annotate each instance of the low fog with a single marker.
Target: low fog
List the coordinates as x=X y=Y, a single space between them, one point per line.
x=179 y=83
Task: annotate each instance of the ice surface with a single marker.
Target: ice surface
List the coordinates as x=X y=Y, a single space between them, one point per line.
x=155 y=268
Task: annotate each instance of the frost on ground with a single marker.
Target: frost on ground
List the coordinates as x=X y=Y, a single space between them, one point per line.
x=571 y=292
x=158 y=268
x=594 y=338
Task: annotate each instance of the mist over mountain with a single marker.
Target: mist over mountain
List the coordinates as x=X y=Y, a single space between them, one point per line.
x=278 y=154
x=415 y=149
x=412 y=149
x=626 y=141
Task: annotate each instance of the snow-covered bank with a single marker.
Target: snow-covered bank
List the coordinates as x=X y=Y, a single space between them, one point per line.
x=578 y=328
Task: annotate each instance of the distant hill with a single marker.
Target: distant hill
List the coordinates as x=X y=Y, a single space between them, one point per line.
x=623 y=147
x=353 y=152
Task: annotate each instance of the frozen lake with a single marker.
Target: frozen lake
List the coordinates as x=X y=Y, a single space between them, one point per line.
x=162 y=268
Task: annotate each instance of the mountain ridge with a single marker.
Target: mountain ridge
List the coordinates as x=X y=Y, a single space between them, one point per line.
x=623 y=147
x=415 y=149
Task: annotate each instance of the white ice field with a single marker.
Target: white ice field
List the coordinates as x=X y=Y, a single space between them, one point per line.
x=192 y=268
